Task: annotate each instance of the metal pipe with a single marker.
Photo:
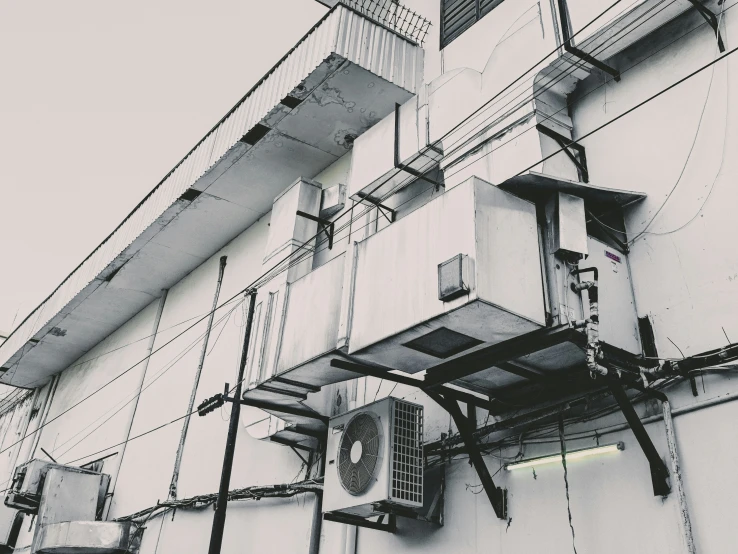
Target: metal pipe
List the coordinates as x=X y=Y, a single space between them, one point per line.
x=44 y=414
x=196 y=382
x=149 y=349
x=593 y=321
x=316 y=528
x=676 y=476
x=219 y=518
x=26 y=423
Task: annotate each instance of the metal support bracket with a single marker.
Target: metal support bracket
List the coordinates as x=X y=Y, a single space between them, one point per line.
x=389 y=527
x=388 y=213
x=497 y=496
x=292 y=410
x=581 y=54
x=399 y=165
x=659 y=472
x=323 y=226
x=712 y=21
x=623 y=246
x=566 y=144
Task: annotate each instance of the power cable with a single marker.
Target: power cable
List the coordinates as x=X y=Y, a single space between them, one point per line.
x=137 y=394
x=250 y=287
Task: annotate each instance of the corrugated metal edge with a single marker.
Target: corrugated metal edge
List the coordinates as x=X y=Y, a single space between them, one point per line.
x=341 y=31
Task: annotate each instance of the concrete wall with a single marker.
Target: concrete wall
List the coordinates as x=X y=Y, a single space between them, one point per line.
x=684 y=269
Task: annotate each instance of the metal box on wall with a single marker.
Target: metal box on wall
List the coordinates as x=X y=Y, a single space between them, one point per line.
x=396 y=301
x=618 y=317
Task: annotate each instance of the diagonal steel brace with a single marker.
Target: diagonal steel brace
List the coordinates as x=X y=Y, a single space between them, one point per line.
x=497 y=496
x=712 y=21
x=659 y=472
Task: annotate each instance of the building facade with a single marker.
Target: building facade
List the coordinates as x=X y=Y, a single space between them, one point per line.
x=406 y=206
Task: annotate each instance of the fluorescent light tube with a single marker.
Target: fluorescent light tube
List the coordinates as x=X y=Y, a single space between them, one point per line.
x=573 y=455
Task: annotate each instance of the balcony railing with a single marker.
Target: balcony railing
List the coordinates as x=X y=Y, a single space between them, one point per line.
x=394 y=16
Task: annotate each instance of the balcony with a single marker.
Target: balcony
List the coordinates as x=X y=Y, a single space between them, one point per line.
x=345 y=75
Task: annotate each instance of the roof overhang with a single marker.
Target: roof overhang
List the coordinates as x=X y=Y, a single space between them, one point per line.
x=340 y=79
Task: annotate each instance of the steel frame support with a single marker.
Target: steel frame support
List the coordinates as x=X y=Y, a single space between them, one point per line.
x=384 y=210
x=581 y=54
x=711 y=19
x=500 y=353
x=278 y=408
x=290 y=393
x=385 y=374
x=297 y=384
x=399 y=165
x=389 y=527
x=659 y=471
x=328 y=227
x=497 y=496
x=566 y=144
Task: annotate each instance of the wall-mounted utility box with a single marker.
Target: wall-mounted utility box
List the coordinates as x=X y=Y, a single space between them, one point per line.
x=30 y=478
x=567 y=226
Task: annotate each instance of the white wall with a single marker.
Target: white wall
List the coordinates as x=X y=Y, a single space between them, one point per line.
x=685 y=267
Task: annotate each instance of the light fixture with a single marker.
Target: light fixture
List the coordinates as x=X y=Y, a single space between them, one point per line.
x=573 y=455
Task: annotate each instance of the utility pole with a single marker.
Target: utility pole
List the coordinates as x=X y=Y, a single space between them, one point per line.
x=216 y=535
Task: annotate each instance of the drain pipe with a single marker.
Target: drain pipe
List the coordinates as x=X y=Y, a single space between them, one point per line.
x=193 y=394
x=44 y=414
x=149 y=349
x=316 y=529
x=350 y=532
x=24 y=432
x=593 y=322
x=676 y=475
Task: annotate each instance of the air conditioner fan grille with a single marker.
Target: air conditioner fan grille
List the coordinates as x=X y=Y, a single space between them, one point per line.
x=356 y=474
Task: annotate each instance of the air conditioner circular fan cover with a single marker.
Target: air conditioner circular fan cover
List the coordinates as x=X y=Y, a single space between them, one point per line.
x=358 y=453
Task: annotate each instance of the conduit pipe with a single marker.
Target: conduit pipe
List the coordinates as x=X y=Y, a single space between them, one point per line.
x=316 y=529
x=676 y=477
x=149 y=349
x=44 y=414
x=196 y=382
x=592 y=323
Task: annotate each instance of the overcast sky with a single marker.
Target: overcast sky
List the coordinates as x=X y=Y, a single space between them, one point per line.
x=98 y=101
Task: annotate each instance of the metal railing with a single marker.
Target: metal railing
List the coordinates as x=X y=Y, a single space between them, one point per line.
x=394 y=16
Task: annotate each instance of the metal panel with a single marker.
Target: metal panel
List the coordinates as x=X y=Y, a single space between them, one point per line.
x=86 y=537
x=618 y=318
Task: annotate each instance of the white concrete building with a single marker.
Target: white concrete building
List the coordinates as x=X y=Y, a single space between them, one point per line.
x=409 y=198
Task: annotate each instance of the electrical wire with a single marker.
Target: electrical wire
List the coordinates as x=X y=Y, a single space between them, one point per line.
x=640 y=104
x=173 y=362
x=251 y=287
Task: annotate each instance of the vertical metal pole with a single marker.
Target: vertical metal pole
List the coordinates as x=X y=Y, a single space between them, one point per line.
x=193 y=394
x=317 y=524
x=44 y=414
x=216 y=535
x=149 y=349
x=676 y=473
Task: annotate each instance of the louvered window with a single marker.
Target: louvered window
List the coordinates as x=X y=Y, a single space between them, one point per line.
x=458 y=15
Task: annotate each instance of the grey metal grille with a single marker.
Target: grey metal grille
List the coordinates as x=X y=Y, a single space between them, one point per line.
x=407 y=453
x=356 y=477
x=394 y=16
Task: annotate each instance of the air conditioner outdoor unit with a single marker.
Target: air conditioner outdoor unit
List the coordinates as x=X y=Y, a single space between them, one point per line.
x=28 y=482
x=375 y=459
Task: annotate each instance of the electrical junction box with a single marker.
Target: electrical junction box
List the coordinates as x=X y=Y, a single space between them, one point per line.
x=567 y=222
x=375 y=459
x=453 y=278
